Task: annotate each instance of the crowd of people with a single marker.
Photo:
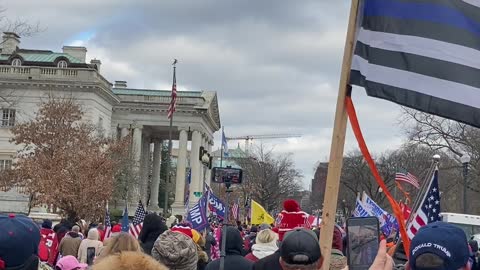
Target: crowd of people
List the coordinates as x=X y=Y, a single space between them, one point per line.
x=26 y=245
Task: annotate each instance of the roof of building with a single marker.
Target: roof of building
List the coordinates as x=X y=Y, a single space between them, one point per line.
x=150 y=92
x=40 y=56
x=233 y=154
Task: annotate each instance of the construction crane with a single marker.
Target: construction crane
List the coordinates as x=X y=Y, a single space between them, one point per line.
x=249 y=138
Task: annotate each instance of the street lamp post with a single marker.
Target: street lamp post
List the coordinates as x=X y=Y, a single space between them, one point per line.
x=206 y=162
x=465 y=159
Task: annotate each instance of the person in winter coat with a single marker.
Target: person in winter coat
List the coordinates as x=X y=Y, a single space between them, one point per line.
x=266 y=244
x=249 y=240
x=291 y=217
x=202 y=255
x=129 y=260
x=153 y=226
x=233 y=250
x=209 y=242
x=338 y=260
x=48 y=247
x=176 y=250
x=91 y=243
x=70 y=243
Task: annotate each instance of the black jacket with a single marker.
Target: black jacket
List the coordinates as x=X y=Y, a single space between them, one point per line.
x=153 y=226
x=234 y=259
x=270 y=262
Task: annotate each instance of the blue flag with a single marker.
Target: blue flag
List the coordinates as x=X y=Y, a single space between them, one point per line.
x=387 y=221
x=216 y=205
x=224 y=144
x=197 y=215
x=125 y=226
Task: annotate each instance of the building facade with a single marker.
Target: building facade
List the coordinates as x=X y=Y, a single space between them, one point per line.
x=29 y=76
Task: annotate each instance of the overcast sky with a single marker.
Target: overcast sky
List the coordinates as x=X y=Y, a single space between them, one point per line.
x=275 y=64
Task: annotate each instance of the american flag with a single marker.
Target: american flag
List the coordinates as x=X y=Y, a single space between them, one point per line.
x=173 y=101
x=408 y=178
x=108 y=224
x=235 y=210
x=429 y=210
x=137 y=224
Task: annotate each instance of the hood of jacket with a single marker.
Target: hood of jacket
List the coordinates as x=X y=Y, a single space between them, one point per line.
x=93 y=234
x=262 y=250
x=234 y=242
x=73 y=234
x=153 y=226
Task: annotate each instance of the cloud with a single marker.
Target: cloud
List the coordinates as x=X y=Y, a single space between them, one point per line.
x=275 y=64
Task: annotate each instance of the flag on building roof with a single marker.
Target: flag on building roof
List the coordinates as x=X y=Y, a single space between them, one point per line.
x=224 y=144
x=173 y=102
x=108 y=224
x=429 y=210
x=407 y=178
x=138 y=218
x=421 y=54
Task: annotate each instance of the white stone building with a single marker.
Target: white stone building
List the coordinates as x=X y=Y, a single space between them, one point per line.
x=28 y=76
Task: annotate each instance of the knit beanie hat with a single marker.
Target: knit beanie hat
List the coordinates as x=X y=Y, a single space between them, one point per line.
x=183 y=228
x=176 y=250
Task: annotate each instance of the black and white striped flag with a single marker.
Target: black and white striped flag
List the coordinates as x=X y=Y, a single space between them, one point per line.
x=423 y=54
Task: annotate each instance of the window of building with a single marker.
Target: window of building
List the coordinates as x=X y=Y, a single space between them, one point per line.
x=8 y=118
x=5 y=164
x=62 y=64
x=16 y=62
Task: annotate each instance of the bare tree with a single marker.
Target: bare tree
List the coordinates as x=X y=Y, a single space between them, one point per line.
x=21 y=27
x=452 y=138
x=269 y=178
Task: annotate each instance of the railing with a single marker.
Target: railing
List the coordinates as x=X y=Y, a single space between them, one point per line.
x=53 y=73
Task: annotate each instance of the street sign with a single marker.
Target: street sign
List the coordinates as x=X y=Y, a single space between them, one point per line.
x=198 y=194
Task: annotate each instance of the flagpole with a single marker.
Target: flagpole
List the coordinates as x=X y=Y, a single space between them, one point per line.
x=221 y=148
x=418 y=200
x=338 y=141
x=167 y=180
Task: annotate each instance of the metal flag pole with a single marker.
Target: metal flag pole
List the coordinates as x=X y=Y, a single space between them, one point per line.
x=221 y=148
x=223 y=252
x=418 y=200
x=172 y=104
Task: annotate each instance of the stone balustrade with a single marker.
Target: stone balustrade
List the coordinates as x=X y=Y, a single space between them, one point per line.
x=53 y=74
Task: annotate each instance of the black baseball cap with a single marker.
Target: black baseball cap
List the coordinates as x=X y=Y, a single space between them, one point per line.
x=300 y=246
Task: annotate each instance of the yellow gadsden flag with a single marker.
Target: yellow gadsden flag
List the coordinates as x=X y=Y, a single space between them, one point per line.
x=260 y=215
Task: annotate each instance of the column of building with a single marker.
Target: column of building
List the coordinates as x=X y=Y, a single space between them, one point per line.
x=155 y=185
x=195 y=165
x=134 y=191
x=145 y=169
x=179 y=204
